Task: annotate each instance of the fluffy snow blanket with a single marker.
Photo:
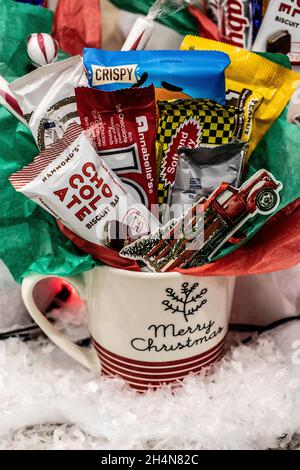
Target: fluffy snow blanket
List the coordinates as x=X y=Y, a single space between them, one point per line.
x=249 y=400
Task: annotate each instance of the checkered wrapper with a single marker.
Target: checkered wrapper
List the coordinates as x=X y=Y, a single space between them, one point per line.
x=191 y=123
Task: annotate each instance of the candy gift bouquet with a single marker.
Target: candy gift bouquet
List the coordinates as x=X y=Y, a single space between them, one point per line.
x=153 y=160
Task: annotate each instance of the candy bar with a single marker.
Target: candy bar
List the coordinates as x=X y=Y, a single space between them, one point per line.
x=280 y=30
x=47 y=99
x=76 y=186
x=200 y=171
x=189 y=123
x=174 y=74
x=236 y=22
x=252 y=81
x=122 y=125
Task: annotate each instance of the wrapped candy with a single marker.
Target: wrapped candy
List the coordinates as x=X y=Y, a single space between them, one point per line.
x=17 y=22
x=201 y=170
x=279 y=32
x=131 y=151
x=42 y=49
x=73 y=183
x=249 y=75
x=31 y=239
x=174 y=74
x=191 y=123
x=47 y=98
x=180 y=21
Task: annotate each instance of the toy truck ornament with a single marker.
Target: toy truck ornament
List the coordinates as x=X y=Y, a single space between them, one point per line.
x=199 y=234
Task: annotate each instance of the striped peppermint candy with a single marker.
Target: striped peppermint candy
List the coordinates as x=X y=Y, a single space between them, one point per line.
x=41 y=49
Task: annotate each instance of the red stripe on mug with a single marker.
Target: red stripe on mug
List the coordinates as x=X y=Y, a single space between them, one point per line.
x=137 y=383
x=123 y=366
x=141 y=375
x=155 y=364
x=138 y=388
x=162 y=377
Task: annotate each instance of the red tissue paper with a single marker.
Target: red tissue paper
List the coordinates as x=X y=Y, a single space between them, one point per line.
x=274 y=248
x=77 y=24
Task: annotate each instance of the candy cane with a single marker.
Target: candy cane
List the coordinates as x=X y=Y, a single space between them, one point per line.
x=143 y=27
x=9 y=101
x=139 y=34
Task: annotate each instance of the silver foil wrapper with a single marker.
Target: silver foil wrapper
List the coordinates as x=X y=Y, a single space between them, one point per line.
x=200 y=171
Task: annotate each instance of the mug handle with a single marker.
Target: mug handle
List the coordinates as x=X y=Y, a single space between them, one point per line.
x=85 y=356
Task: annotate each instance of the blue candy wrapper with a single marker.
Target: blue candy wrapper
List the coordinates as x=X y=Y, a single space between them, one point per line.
x=174 y=74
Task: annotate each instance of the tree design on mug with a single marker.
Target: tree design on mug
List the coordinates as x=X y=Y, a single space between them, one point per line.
x=185 y=303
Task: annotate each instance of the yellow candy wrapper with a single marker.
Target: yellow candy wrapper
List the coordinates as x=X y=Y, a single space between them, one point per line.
x=248 y=77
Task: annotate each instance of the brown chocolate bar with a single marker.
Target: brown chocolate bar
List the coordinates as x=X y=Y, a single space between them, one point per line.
x=279 y=42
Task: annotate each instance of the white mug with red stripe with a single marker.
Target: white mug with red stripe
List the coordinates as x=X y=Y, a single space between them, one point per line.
x=148 y=328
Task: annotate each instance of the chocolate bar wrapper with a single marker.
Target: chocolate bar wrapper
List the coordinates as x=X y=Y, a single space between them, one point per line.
x=47 y=99
x=236 y=22
x=122 y=126
x=73 y=184
x=174 y=74
x=280 y=30
x=200 y=171
x=191 y=123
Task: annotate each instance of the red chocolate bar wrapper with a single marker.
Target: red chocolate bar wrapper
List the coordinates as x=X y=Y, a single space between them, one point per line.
x=235 y=21
x=122 y=125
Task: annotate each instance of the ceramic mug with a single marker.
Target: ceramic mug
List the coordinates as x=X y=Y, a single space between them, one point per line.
x=146 y=328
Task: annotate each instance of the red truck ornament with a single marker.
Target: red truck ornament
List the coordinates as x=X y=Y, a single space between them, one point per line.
x=204 y=228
